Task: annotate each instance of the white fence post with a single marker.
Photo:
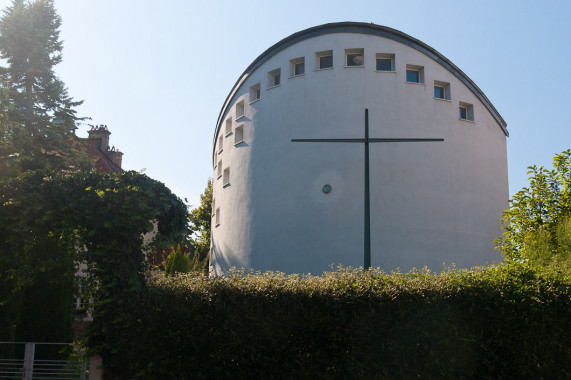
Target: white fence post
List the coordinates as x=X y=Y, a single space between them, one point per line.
x=29 y=361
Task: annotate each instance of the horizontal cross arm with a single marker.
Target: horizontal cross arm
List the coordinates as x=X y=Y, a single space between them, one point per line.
x=402 y=140
x=368 y=140
x=329 y=140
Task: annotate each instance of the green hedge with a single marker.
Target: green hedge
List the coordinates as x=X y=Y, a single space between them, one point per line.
x=507 y=321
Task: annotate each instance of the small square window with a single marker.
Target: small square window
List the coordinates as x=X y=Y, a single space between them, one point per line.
x=324 y=60
x=385 y=62
x=239 y=109
x=441 y=90
x=217 y=217
x=354 y=57
x=414 y=74
x=239 y=134
x=255 y=93
x=466 y=111
x=219 y=173
x=220 y=144
x=297 y=67
x=228 y=126
x=226 y=177
x=274 y=78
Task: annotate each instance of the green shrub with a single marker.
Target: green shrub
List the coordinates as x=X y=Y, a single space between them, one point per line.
x=508 y=321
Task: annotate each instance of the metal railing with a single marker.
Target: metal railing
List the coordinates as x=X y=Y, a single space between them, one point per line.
x=39 y=364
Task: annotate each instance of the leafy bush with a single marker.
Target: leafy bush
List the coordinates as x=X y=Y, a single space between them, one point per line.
x=508 y=321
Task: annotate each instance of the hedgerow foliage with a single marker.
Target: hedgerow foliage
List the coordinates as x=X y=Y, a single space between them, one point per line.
x=508 y=321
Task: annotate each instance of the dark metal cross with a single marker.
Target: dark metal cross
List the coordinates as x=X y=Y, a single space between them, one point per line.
x=366 y=141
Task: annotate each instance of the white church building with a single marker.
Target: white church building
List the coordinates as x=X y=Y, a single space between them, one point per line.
x=356 y=144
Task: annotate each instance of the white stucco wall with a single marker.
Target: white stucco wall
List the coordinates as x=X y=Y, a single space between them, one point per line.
x=431 y=202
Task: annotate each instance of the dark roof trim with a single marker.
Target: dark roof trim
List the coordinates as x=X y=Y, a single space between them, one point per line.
x=362 y=28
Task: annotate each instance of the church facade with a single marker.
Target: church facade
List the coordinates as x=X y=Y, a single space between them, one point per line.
x=346 y=128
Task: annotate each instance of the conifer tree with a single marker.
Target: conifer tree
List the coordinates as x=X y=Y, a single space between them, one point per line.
x=37 y=115
x=177 y=262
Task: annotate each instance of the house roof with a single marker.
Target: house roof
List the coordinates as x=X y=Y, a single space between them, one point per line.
x=103 y=163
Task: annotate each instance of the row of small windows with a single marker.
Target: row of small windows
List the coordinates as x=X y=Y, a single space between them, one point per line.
x=225 y=175
x=238 y=135
x=355 y=58
x=238 y=138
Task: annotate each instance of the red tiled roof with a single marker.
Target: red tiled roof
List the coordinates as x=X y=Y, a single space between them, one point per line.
x=103 y=164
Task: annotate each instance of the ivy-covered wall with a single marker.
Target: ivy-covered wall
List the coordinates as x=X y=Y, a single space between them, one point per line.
x=45 y=217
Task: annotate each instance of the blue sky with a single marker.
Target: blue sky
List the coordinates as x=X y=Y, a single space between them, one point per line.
x=157 y=72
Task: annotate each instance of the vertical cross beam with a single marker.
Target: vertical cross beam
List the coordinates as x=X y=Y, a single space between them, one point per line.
x=366 y=141
x=367 y=253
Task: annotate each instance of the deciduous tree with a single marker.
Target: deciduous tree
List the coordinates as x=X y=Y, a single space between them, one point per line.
x=538 y=222
x=200 y=223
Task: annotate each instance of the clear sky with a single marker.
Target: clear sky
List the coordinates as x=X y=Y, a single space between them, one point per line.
x=157 y=72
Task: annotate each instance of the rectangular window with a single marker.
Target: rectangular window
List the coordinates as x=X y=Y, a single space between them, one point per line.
x=226 y=177
x=228 y=125
x=414 y=74
x=239 y=134
x=219 y=174
x=354 y=57
x=441 y=90
x=274 y=78
x=213 y=208
x=217 y=217
x=385 y=62
x=220 y=144
x=255 y=93
x=324 y=60
x=466 y=111
x=297 y=67
x=239 y=109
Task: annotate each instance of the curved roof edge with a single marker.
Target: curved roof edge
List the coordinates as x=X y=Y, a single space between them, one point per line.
x=362 y=28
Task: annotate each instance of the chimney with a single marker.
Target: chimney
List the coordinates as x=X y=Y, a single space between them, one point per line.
x=100 y=132
x=118 y=158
